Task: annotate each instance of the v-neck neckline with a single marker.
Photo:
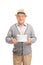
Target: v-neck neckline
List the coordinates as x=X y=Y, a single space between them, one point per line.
x=18 y=30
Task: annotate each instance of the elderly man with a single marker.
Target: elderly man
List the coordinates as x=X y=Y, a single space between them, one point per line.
x=22 y=36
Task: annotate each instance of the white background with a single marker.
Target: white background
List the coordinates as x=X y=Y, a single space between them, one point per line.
x=34 y=11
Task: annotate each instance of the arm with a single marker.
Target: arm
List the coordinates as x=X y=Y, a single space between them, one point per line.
x=9 y=36
x=33 y=37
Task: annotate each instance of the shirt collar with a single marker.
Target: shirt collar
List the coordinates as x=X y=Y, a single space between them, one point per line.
x=25 y=24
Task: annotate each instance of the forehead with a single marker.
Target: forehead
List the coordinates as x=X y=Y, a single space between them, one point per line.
x=20 y=14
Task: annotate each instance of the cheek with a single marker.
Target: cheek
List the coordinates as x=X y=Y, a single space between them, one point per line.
x=18 y=18
x=24 y=19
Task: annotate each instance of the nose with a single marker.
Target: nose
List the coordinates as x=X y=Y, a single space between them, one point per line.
x=21 y=18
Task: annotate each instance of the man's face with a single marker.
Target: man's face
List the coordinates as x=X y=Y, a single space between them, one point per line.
x=21 y=18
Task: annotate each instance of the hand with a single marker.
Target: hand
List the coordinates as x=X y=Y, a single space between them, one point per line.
x=14 y=41
x=28 y=41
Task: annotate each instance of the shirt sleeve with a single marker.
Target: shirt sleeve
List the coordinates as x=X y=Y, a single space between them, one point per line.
x=33 y=37
x=9 y=36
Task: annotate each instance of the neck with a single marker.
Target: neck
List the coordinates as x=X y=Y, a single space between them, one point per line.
x=21 y=24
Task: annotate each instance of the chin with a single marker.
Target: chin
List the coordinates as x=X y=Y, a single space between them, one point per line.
x=22 y=23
